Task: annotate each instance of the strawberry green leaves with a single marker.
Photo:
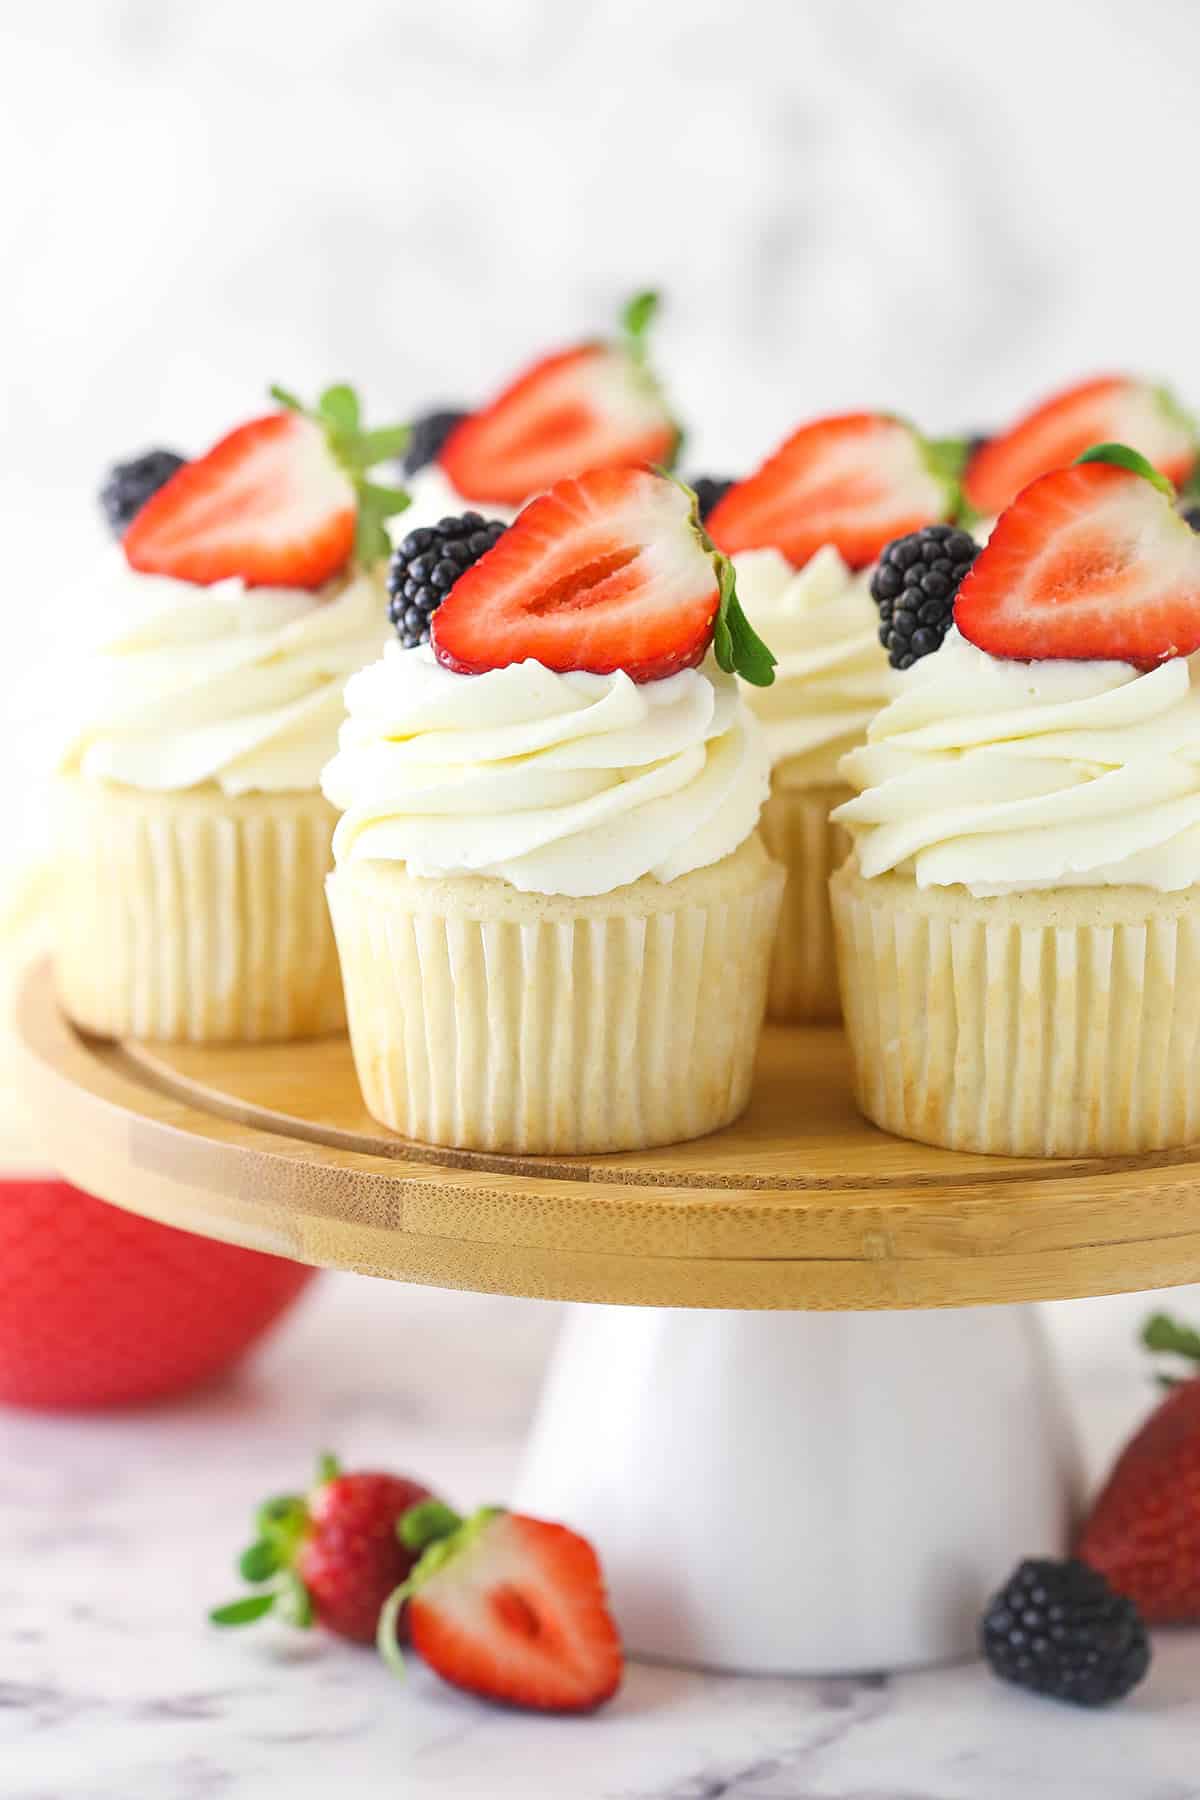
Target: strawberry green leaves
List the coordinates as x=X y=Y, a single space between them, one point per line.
x=357 y=450
x=1122 y=457
x=243 y=1612
x=637 y=316
x=736 y=645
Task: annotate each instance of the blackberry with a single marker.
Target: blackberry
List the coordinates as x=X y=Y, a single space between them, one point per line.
x=914 y=584
x=129 y=485
x=426 y=565
x=708 y=489
x=1191 y=513
x=975 y=443
x=1059 y=1629
x=426 y=437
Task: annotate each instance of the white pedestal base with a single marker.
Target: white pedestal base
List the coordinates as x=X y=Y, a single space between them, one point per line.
x=804 y=1493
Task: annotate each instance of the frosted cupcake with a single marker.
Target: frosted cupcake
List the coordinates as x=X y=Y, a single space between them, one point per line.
x=194 y=839
x=802 y=531
x=553 y=909
x=1019 y=924
x=592 y=406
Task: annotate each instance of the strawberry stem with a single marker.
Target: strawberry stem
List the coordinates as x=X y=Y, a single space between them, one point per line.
x=946 y=459
x=387 y=1634
x=293 y=1599
x=1161 y=1332
x=637 y=316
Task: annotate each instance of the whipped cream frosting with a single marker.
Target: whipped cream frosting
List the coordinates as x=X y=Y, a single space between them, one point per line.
x=559 y=784
x=433 y=496
x=182 y=684
x=832 y=673
x=1004 y=777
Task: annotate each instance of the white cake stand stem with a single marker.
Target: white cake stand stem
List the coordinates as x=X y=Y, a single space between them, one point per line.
x=804 y=1493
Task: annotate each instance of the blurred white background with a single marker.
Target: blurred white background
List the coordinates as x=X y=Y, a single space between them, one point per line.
x=931 y=206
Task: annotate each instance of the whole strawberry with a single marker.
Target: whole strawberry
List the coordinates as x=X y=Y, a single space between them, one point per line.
x=332 y=1556
x=1144 y=1530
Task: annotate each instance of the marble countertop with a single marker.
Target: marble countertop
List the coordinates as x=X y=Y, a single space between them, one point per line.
x=117 y=1533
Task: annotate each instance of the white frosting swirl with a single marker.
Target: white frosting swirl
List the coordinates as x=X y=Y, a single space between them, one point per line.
x=832 y=673
x=1004 y=776
x=183 y=684
x=433 y=496
x=560 y=784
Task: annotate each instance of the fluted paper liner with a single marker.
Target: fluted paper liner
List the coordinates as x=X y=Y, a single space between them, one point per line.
x=1058 y=1023
x=196 y=916
x=488 y=1019
x=803 y=985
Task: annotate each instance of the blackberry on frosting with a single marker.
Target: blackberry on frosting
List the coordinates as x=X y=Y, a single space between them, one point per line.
x=914 y=584
x=426 y=565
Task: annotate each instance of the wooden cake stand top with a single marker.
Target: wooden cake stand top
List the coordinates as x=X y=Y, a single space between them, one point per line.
x=801 y=1204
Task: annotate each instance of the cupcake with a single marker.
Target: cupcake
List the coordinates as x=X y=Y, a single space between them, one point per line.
x=1019 y=923
x=592 y=406
x=801 y=532
x=552 y=906
x=245 y=589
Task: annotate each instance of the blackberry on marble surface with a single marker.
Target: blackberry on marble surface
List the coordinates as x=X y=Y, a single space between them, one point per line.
x=1059 y=1629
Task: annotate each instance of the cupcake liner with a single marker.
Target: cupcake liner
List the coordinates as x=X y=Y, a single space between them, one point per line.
x=1062 y=1023
x=484 y=1018
x=195 y=916
x=795 y=825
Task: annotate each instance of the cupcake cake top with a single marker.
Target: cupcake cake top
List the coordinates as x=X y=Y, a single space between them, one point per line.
x=593 y=405
x=1054 y=738
x=574 y=722
x=802 y=531
x=246 y=587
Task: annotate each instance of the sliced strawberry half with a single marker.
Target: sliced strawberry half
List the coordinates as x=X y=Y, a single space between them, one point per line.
x=1090 y=562
x=508 y=1607
x=856 y=480
x=281 y=502
x=1108 y=409
x=610 y=570
x=592 y=407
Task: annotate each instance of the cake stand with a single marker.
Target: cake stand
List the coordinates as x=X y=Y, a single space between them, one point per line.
x=807 y=1414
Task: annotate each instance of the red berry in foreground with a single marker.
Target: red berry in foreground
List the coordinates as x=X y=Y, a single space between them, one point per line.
x=351 y=1557
x=1143 y=1532
x=331 y=1556
x=510 y=1608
